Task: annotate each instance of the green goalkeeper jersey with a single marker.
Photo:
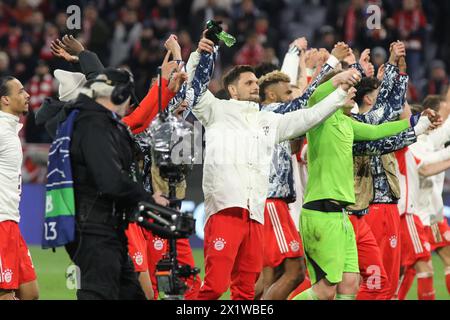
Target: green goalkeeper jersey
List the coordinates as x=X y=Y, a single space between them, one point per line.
x=330 y=158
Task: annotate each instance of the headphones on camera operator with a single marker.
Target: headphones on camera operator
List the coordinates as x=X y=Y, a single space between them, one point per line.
x=121 y=79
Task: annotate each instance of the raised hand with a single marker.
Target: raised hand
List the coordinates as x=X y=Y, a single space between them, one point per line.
x=71 y=45
x=311 y=58
x=435 y=119
x=323 y=56
x=300 y=43
x=347 y=79
x=205 y=44
x=364 y=61
x=59 y=52
x=340 y=50
x=172 y=45
x=397 y=50
x=350 y=58
x=380 y=73
x=400 y=49
x=168 y=67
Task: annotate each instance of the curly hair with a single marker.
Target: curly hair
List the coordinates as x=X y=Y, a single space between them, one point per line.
x=270 y=78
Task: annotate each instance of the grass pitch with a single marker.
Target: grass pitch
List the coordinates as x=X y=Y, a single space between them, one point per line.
x=51 y=267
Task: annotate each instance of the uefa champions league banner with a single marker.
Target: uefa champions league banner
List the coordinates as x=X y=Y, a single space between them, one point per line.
x=32 y=209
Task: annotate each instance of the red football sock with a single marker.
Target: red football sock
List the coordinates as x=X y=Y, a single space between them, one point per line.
x=408 y=279
x=425 y=289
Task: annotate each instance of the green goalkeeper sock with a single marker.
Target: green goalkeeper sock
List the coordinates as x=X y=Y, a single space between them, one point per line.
x=308 y=294
x=345 y=296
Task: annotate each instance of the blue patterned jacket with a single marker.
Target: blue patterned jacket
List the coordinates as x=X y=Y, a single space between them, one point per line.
x=281 y=179
x=388 y=107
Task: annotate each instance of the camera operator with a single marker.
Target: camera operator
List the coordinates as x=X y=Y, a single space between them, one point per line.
x=106 y=188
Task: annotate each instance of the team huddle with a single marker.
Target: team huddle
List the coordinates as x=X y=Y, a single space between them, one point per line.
x=320 y=181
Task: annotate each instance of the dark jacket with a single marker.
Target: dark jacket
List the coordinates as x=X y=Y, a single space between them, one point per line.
x=90 y=64
x=106 y=176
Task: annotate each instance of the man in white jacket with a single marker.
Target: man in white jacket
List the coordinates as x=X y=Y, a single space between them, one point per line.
x=240 y=141
x=432 y=160
x=17 y=275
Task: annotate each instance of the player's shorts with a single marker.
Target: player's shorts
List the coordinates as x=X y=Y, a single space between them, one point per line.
x=415 y=243
x=137 y=247
x=281 y=237
x=330 y=245
x=16 y=267
x=439 y=234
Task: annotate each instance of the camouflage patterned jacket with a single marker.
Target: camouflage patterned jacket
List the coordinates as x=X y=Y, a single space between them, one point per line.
x=388 y=107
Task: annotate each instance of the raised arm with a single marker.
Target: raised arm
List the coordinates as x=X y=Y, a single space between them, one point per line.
x=297 y=123
x=385 y=145
x=142 y=116
x=338 y=53
x=291 y=62
x=391 y=97
x=200 y=68
x=302 y=101
x=368 y=132
x=71 y=50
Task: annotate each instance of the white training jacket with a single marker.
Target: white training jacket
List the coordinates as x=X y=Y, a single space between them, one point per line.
x=429 y=148
x=10 y=167
x=240 y=141
x=409 y=180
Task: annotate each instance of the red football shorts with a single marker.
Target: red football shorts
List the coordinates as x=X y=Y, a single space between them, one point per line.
x=384 y=221
x=415 y=241
x=375 y=283
x=439 y=234
x=233 y=250
x=137 y=247
x=16 y=267
x=281 y=237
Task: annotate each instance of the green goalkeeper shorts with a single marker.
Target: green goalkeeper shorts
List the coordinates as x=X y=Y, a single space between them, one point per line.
x=329 y=243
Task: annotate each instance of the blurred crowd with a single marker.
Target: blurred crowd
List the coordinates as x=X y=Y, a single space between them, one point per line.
x=131 y=33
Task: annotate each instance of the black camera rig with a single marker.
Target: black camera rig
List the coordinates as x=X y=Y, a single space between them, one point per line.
x=166 y=133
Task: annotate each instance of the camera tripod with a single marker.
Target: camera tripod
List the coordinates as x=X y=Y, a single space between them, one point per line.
x=169 y=273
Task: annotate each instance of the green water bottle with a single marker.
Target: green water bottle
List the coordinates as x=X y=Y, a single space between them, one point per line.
x=215 y=33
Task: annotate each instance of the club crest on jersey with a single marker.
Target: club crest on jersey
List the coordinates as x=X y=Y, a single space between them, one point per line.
x=219 y=244
x=393 y=241
x=6 y=276
x=295 y=245
x=266 y=130
x=139 y=258
x=427 y=246
x=158 y=244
